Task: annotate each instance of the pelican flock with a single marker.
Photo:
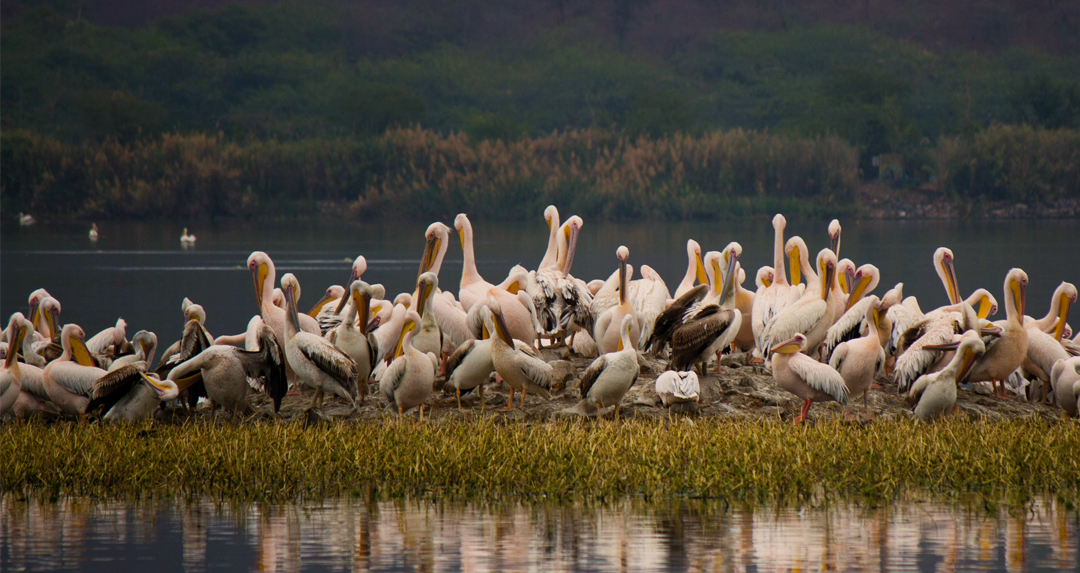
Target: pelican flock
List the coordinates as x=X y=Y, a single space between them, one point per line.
x=812 y=326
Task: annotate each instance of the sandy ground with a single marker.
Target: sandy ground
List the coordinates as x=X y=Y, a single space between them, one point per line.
x=741 y=391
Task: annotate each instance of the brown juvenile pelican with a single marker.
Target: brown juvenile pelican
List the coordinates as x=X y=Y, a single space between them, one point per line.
x=609 y=377
x=130 y=394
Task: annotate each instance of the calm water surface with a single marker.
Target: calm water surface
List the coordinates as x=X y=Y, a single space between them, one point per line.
x=629 y=536
x=139 y=272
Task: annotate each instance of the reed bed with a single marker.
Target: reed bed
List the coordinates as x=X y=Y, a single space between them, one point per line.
x=488 y=460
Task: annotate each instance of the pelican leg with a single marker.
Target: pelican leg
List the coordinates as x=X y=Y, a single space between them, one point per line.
x=523 y=398
x=314 y=399
x=510 y=403
x=803 y=414
x=483 y=402
x=616 y=412
x=459 y=400
x=421 y=413
x=400 y=411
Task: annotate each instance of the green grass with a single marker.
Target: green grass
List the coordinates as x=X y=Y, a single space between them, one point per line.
x=736 y=461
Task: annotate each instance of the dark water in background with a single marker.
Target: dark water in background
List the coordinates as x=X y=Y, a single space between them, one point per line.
x=350 y=535
x=138 y=270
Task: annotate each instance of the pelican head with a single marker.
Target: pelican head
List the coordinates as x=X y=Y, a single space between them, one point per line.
x=35 y=301
x=195 y=312
x=622 y=253
x=551 y=215
x=570 y=230
x=970 y=349
x=425 y=288
x=1016 y=283
x=412 y=322
x=146 y=343
x=834 y=236
x=262 y=271
x=289 y=286
x=779 y=222
x=943 y=264
x=18 y=326
x=463 y=226
x=714 y=275
x=72 y=339
x=693 y=252
x=988 y=305
x=498 y=321
x=49 y=310
x=360 y=293
x=437 y=238
x=730 y=256
x=403 y=299
x=166 y=389
x=864 y=280
x=1066 y=295
x=277 y=298
x=795 y=249
x=796 y=344
x=826 y=262
x=895 y=295
x=873 y=312
x=332 y=292
x=359 y=267
x=765 y=277
x=845 y=275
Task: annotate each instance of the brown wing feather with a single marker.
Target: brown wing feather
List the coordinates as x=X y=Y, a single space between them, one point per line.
x=691 y=339
x=110 y=388
x=455 y=359
x=588 y=378
x=668 y=321
x=330 y=359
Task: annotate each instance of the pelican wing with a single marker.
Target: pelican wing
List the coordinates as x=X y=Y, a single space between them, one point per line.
x=577 y=307
x=902 y=317
x=533 y=367
x=797 y=318
x=588 y=378
x=819 y=376
x=110 y=388
x=327 y=357
x=1043 y=350
x=452 y=321
x=849 y=327
x=392 y=378
x=265 y=367
x=458 y=356
x=683 y=385
x=672 y=317
x=916 y=360
x=694 y=337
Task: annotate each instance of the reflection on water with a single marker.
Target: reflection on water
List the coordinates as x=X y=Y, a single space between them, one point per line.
x=352 y=535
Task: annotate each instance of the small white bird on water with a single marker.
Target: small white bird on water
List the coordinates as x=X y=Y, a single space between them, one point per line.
x=187 y=240
x=26 y=220
x=93 y=232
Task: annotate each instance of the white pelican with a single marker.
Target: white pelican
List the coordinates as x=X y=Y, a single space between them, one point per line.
x=352 y=335
x=710 y=325
x=228 y=372
x=649 y=296
x=983 y=302
x=845 y=276
x=407 y=382
x=470 y=365
x=93 y=232
x=10 y=374
x=805 y=377
x=518 y=363
x=70 y=378
x=33 y=400
x=473 y=287
x=316 y=362
x=328 y=311
x=695 y=269
x=129 y=394
x=606 y=330
x=111 y=336
x=186 y=240
x=1065 y=378
x=145 y=344
x=850 y=324
x=1044 y=349
x=744 y=303
x=1006 y=353
x=389 y=332
x=449 y=315
x=799 y=258
x=36 y=317
x=551 y=215
x=936 y=392
x=776 y=295
x=428 y=337
x=921 y=344
x=263 y=271
x=674 y=387
x=609 y=377
x=834 y=236
x=26 y=220
x=49 y=321
x=860 y=360
x=811 y=315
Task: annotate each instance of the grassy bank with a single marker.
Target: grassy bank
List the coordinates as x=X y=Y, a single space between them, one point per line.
x=423 y=174
x=760 y=461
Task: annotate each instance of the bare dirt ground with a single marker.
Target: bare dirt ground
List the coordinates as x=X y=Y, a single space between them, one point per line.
x=740 y=392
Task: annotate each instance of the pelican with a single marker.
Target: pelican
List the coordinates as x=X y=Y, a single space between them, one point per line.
x=519 y=365
x=49 y=320
x=695 y=269
x=186 y=240
x=448 y=314
x=744 y=303
x=389 y=332
x=921 y=344
x=473 y=287
x=609 y=377
x=811 y=314
x=407 y=382
x=674 y=387
x=551 y=215
x=709 y=326
x=606 y=330
x=328 y=311
x=193 y=339
x=649 y=296
x=36 y=316
x=834 y=236
x=1065 y=378
x=805 y=377
x=70 y=378
x=11 y=373
x=799 y=257
x=1005 y=354
x=863 y=281
x=1044 y=349
x=93 y=232
x=26 y=220
x=776 y=295
x=227 y=372
x=470 y=365
x=316 y=362
x=845 y=278
x=263 y=271
x=428 y=337
x=860 y=360
x=982 y=300
x=32 y=400
x=112 y=336
x=145 y=346
x=353 y=337
x=936 y=392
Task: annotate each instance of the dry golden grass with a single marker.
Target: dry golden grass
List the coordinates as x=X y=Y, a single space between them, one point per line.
x=738 y=461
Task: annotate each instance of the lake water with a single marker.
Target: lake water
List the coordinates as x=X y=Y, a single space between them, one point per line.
x=350 y=535
x=139 y=272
